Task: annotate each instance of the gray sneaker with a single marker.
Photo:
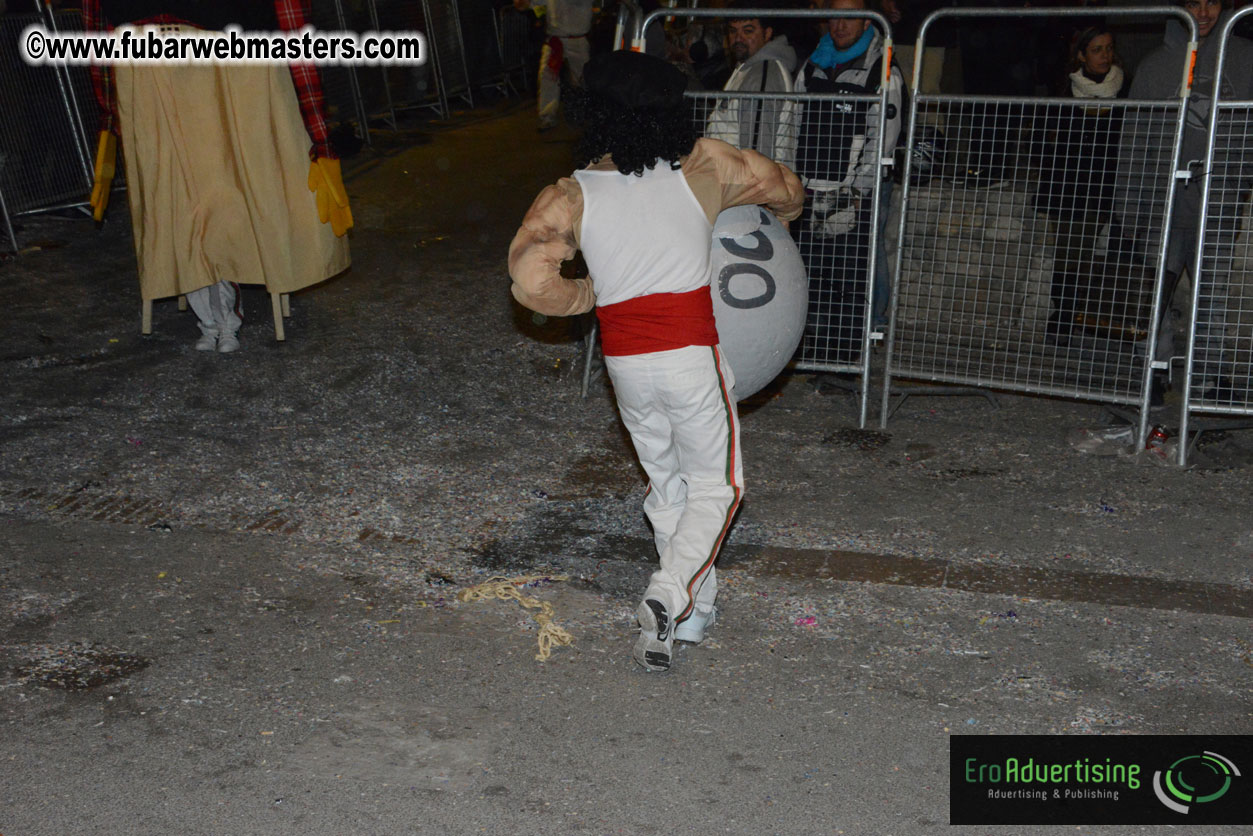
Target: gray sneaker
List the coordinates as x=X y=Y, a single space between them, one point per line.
x=207 y=342
x=228 y=343
x=693 y=628
x=656 y=642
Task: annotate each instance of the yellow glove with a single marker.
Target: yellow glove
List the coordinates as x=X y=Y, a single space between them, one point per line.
x=327 y=183
x=106 y=158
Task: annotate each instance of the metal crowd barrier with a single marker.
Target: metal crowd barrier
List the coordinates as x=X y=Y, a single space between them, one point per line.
x=341 y=86
x=838 y=232
x=624 y=26
x=513 y=31
x=501 y=75
x=47 y=135
x=436 y=83
x=1014 y=270
x=446 y=76
x=385 y=90
x=443 y=34
x=1219 y=376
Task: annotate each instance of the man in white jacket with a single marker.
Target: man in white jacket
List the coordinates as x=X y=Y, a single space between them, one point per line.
x=764 y=64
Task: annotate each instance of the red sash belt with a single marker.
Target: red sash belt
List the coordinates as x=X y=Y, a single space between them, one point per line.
x=556 y=54
x=657 y=322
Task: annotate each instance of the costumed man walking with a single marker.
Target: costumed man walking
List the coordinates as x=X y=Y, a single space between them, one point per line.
x=643 y=213
x=566 y=24
x=230 y=172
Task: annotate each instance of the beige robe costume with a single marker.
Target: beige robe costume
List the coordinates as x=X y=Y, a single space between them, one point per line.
x=217 y=166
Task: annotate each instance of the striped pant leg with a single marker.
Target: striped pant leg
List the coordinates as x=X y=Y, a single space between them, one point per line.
x=677 y=405
x=577 y=53
x=217 y=308
x=549 y=96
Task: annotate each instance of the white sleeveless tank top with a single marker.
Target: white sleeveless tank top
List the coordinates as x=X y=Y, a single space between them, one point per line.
x=643 y=235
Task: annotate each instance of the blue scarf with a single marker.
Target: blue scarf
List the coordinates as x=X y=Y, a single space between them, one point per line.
x=827 y=56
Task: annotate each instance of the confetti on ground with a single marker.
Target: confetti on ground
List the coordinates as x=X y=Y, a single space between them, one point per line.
x=77 y=666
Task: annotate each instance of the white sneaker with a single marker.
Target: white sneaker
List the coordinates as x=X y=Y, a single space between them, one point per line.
x=228 y=343
x=694 y=627
x=207 y=342
x=656 y=642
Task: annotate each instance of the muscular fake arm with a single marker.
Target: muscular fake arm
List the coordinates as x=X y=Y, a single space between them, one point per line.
x=722 y=176
x=545 y=239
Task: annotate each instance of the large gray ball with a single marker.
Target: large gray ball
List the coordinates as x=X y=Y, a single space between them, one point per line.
x=760 y=294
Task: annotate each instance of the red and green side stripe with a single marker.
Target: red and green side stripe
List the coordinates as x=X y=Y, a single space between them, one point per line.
x=728 y=405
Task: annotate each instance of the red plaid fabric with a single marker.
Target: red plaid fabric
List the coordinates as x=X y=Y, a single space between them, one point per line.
x=101 y=77
x=292 y=15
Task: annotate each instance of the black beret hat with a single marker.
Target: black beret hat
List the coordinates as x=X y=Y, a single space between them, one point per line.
x=634 y=79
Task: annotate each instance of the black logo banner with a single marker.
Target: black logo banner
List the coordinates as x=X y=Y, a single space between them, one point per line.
x=1101 y=779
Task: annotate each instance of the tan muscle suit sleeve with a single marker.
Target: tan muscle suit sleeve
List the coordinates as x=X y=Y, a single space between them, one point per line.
x=546 y=238
x=722 y=176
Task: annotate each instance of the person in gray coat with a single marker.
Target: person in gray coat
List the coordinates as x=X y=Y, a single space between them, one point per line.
x=1142 y=194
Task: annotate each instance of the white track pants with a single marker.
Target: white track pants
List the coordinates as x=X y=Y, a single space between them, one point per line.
x=215 y=306
x=574 y=55
x=678 y=407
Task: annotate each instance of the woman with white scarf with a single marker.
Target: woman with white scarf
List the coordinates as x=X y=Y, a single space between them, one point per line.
x=1077 y=181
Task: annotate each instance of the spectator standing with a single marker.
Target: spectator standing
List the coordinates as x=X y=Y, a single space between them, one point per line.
x=764 y=63
x=1158 y=76
x=837 y=157
x=699 y=49
x=1081 y=160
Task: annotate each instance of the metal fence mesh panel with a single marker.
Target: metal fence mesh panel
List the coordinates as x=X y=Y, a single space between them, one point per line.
x=409 y=86
x=443 y=33
x=43 y=149
x=835 y=233
x=1219 y=374
x=338 y=82
x=1222 y=353
x=1018 y=274
x=480 y=43
x=516 y=52
x=816 y=134
x=80 y=101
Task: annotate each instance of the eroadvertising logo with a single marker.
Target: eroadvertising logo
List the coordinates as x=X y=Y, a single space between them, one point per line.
x=1102 y=779
x=1211 y=772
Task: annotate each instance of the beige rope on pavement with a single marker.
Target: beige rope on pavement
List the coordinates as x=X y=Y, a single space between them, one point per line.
x=507 y=589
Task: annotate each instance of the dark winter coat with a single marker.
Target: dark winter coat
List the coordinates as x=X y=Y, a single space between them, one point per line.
x=1079 y=154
